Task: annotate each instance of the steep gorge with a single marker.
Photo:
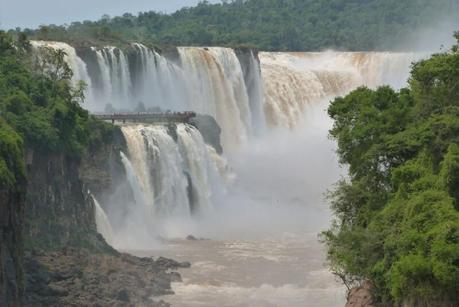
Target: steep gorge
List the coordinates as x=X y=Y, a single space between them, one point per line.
x=150 y=173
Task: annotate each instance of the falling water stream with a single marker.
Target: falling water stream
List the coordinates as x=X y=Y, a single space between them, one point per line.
x=254 y=213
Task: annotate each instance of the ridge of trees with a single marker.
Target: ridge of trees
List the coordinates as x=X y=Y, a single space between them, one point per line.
x=281 y=25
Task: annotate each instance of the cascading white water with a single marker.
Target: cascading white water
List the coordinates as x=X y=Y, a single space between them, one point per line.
x=293 y=81
x=211 y=73
x=159 y=167
x=116 y=78
x=204 y=172
x=256 y=95
x=161 y=82
x=172 y=174
x=103 y=223
x=211 y=81
x=266 y=250
x=228 y=61
x=137 y=180
x=263 y=249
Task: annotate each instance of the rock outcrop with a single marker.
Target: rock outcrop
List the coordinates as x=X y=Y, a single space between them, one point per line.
x=59 y=212
x=68 y=263
x=210 y=130
x=361 y=296
x=77 y=277
x=102 y=171
x=11 y=219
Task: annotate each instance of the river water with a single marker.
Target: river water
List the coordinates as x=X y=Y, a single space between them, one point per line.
x=260 y=247
x=286 y=270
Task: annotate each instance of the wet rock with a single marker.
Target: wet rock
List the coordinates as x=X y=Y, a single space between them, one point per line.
x=210 y=130
x=175 y=277
x=361 y=296
x=123 y=296
x=191 y=238
x=166 y=263
x=84 y=278
x=55 y=290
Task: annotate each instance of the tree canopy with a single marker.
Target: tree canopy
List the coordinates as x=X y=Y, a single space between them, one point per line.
x=39 y=108
x=397 y=216
x=295 y=25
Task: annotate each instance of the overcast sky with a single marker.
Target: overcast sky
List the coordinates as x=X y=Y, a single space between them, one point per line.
x=32 y=13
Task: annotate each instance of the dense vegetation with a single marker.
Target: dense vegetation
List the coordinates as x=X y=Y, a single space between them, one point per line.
x=39 y=108
x=398 y=213
x=266 y=24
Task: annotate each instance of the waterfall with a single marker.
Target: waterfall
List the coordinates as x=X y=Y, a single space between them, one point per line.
x=103 y=223
x=218 y=89
x=292 y=81
x=161 y=82
x=170 y=171
x=229 y=63
x=243 y=94
x=141 y=195
x=255 y=92
x=76 y=64
x=198 y=166
x=116 y=77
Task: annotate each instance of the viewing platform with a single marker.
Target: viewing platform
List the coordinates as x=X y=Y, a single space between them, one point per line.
x=147 y=117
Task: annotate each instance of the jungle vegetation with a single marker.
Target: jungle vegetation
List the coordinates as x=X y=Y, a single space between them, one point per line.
x=397 y=214
x=40 y=108
x=280 y=25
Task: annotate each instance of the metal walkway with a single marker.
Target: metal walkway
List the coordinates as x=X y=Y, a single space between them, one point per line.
x=148 y=117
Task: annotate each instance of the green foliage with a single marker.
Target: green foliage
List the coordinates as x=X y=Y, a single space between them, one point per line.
x=11 y=157
x=267 y=24
x=397 y=218
x=39 y=102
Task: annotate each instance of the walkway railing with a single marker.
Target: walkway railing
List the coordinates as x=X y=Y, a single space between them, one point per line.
x=156 y=117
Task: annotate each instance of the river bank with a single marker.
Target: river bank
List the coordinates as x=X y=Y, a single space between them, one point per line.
x=77 y=277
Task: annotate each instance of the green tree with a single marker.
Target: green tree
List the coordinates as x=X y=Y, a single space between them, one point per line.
x=397 y=218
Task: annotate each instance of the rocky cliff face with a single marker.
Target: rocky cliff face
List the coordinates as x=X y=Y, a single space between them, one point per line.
x=102 y=171
x=59 y=211
x=66 y=261
x=361 y=296
x=209 y=129
x=12 y=193
x=11 y=251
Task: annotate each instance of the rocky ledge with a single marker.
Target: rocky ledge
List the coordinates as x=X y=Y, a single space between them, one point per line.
x=361 y=296
x=74 y=277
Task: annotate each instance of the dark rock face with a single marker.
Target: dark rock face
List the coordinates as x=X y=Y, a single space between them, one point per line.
x=171 y=53
x=102 y=171
x=11 y=219
x=77 y=277
x=244 y=55
x=67 y=262
x=169 y=264
x=210 y=130
x=59 y=211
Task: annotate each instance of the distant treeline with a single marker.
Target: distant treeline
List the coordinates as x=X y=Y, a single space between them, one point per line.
x=295 y=25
